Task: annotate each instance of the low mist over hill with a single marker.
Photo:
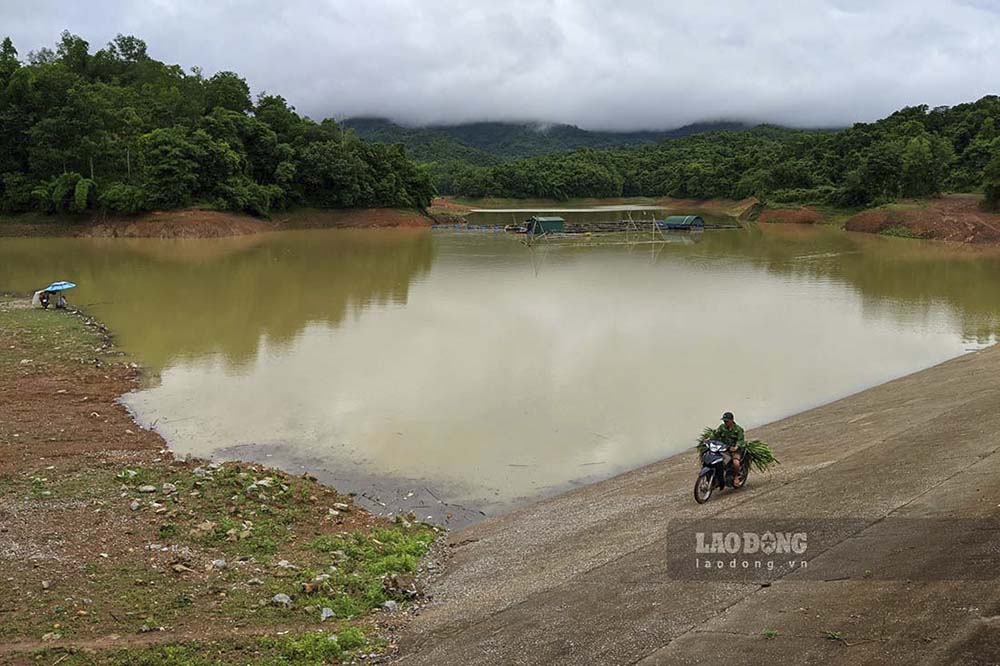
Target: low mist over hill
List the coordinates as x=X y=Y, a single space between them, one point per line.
x=485 y=143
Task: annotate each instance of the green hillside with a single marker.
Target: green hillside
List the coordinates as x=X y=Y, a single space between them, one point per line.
x=116 y=130
x=491 y=142
x=915 y=152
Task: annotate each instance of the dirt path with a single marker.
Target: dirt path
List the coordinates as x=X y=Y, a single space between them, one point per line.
x=109 y=544
x=898 y=489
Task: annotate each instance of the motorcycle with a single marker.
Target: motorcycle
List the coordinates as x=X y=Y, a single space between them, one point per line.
x=717 y=470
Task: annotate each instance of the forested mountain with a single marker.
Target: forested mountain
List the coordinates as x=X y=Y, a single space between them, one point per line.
x=914 y=152
x=117 y=130
x=493 y=142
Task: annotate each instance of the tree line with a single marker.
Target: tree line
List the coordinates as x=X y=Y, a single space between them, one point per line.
x=119 y=131
x=915 y=152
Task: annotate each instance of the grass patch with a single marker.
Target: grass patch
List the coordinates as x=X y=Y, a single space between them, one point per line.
x=306 y=649
x=354 y=583
x=35 y=339
x=899 y=231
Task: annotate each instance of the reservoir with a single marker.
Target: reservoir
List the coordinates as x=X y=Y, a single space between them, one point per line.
x=456 y=373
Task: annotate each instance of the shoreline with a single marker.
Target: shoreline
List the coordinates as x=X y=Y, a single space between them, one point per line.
x=954 y=218
x=178 y=554
x=951 y=218
x=198 y=223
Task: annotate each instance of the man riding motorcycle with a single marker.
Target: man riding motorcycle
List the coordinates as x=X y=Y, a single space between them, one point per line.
x=732 y=435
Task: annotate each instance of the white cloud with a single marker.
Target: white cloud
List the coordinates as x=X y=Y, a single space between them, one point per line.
x=598 y=64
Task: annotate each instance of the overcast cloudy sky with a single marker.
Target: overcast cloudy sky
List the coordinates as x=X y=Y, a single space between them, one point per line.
x=600 y=64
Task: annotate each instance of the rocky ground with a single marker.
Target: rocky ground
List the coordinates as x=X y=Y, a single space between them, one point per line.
x=115 y=552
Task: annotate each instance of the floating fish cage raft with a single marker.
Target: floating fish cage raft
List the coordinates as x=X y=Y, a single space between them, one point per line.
x=628 y=231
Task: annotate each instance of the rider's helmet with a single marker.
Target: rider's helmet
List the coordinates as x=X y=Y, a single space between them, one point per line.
x=728 y=416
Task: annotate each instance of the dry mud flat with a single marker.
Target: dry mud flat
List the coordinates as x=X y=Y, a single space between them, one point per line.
x=898 y=488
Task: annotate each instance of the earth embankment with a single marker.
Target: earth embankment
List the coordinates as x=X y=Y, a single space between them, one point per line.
x=897 y=487
x=953 y=218
x=198 y=223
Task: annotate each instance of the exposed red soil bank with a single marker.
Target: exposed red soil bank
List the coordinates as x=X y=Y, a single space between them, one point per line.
x=955 y=218
x=804 y=215
x=197 y=223
x=727 y=207
x=179 y=224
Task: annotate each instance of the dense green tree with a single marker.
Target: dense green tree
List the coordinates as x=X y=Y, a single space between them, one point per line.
x=991 y=186
x=915 y=152
x=170 y=162
x=8 y=61
x=228 y=91
x=73 y=52
x=121 y=131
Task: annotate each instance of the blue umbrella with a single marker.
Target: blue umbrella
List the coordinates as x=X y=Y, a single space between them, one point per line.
x=59 y=286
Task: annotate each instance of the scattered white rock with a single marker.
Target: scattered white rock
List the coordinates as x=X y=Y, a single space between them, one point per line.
x=147 y=489
x=282 y=600
x=218 y=564
x=325 y=614
x=340 y=506
x=390 y=606
x=46 y=584
x=168 y=488
x=134 y=505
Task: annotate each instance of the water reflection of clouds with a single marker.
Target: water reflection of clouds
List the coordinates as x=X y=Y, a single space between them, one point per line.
x=499 y=383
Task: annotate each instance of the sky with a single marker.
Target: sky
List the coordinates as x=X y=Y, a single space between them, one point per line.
x=598 y=64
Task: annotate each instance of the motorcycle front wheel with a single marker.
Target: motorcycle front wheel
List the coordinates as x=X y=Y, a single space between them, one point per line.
x=703 y=488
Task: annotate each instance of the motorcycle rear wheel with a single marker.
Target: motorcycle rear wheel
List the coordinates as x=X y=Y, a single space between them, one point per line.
x=703 y=487
x=744 y=473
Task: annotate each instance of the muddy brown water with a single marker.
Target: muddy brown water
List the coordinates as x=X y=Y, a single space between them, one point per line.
x=454 y=373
